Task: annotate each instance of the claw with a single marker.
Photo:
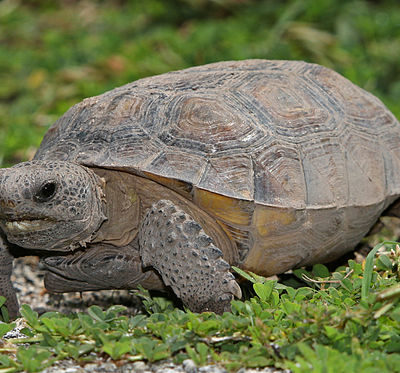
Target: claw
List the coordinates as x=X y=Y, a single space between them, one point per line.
x=235 y=289
x=225 y=298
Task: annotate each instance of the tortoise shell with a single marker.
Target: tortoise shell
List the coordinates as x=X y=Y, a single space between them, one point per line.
x=294 y=161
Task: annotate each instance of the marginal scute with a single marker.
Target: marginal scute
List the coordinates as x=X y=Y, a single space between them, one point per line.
x=391 y=157
x=269 y=221
x=172 y=164
x=178 y=186
x=233 y=211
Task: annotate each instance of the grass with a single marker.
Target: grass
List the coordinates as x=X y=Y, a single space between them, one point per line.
x=53 y=54
x=347 y=321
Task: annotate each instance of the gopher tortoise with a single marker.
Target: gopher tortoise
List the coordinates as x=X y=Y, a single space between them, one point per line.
x=169 y=180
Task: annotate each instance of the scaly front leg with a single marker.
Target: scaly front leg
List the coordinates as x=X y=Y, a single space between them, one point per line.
x=6 y=287
x=98 y=267
x=173 y=243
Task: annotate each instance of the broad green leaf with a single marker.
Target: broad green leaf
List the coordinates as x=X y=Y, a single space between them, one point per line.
x=319 y=270
x=5 y=328
x=96 y=313
x=264 y=290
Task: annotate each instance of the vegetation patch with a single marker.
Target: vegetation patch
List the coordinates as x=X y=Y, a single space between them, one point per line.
x=346 y=321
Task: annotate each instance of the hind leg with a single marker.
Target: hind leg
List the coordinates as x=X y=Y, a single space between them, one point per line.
x=393 y=209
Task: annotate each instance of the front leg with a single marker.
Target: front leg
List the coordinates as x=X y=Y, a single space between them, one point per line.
x=6 y=287
x=98 y=267
x=173 y=243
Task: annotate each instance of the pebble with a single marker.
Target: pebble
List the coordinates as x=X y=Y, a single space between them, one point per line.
x=189 y=366
x=139 y=367
x=16 y=332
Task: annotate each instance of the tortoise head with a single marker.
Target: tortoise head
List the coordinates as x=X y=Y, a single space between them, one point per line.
x=50 y=205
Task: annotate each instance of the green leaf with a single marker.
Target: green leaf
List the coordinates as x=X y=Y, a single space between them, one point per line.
x=7 y=362
x=34 y=359
x=116 y=349
x=244 y=274
x=2 y=300
x=331 y=332
x=5 y=328
x=137 y=321
x=111 y=313
x=96 y=313
x=290 y=307
x=192 y=353
x=264 y=290
x=383 y=310
x=30 y=316
x=208 y=327
x=384 y=262
x=369 y=266
x=319 y=270
x=392 y=292
x=203 y=351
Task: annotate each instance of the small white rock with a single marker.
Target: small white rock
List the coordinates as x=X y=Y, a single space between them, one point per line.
x=212 y=369
x=189 y=366
x=140 y=367
x=71 y=370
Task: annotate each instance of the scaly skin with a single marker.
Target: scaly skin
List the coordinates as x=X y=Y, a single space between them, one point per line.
x=99 y=267
x=186 y=258
x=6 y=288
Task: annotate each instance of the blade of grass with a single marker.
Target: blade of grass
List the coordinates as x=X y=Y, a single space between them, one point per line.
x=369 y=266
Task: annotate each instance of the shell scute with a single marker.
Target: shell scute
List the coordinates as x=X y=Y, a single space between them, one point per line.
x=365 y=169
x=324 y=166
x=231 y=174
x=173 y=163
x=278 y=176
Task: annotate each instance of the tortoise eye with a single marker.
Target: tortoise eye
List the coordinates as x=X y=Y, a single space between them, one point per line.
x=46 y=192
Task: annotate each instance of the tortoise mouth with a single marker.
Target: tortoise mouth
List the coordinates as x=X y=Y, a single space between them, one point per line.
x=26 y=225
